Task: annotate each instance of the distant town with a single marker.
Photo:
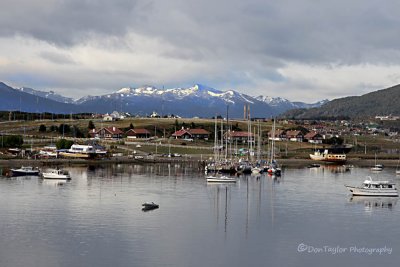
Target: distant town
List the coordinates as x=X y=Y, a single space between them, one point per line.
x=119 y=135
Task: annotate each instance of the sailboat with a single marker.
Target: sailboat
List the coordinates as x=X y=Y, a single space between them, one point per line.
x=377 y=167
x=273 y=167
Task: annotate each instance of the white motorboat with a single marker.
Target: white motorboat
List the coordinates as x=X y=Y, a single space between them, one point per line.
x=221 y=179
x=256 y=170
x=56 y=174
x=374 y=188
x=25 y=171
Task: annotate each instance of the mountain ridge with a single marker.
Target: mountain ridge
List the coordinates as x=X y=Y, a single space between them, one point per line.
x=381 y=102
x=197 y=100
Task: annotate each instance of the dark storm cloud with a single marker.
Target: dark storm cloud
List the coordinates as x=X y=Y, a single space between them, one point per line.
x=67 y=22
x=227 y=43
x=305 y=31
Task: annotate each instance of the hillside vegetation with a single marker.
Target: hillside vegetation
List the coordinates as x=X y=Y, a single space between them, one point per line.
x=381 y=102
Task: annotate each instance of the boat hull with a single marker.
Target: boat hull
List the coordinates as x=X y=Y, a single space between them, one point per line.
x=373 y=192
x=331 y=158
x=24 y=173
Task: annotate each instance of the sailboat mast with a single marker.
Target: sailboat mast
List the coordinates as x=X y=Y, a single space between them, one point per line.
x=215 y=139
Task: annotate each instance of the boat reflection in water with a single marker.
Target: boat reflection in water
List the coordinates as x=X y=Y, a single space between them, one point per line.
x=371 y=203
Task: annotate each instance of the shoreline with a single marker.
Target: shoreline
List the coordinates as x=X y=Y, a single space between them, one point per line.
x=295 y=163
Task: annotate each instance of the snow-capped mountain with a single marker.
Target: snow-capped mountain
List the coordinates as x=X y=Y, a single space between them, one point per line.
x=49 y=95
x=23 y=100
x=198 y=100
x=282 y=104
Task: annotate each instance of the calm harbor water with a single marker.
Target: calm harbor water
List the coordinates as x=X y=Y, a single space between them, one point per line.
x=304 y=218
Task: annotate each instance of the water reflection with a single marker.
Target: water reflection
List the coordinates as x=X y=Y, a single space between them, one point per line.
x=371 y=203
x=261 y=218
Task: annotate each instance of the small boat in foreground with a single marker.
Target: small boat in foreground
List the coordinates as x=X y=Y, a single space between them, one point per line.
x=25 y=171
x=221 y=179
x=56 y=174
x=374 y=188
x=149 y=206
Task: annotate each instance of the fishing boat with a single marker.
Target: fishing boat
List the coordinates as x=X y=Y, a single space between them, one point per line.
x=25 y=171
x=326 y=156
x=374 y=188
x=149 y=206
x=220 y=179
x=56 y=174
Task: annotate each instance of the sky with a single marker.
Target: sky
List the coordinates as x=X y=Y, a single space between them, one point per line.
x=300 y=50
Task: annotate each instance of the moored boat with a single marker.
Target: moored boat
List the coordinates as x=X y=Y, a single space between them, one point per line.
x=149 y=206
x=25 y=171
x=326 y=156
x=56 y=174
x=374 y=188
x=377 y=167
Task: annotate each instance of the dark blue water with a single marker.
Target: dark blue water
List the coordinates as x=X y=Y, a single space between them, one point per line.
x=304 y=218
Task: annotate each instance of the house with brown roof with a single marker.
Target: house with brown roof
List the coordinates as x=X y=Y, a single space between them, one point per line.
x=191 y=134
x=137 y=133
x=295 y=136
x=313 y=137
x=279 y=135
x=239 y=136
x=106 y=133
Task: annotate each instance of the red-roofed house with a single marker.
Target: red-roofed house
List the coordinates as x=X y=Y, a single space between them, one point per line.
x=296 y=136
x=313 y=137
x=191 y=134
x=106 y=133
x=239 y=136
x=279 y=135
x=137 y=133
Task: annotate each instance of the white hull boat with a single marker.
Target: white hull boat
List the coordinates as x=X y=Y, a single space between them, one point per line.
x=56 y=174
x=372 y=188
x=377 y=168
x=222 y=179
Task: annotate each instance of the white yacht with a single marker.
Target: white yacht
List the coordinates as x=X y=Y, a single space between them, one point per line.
x=79 y=151
x=56 y=174
x=374 y=188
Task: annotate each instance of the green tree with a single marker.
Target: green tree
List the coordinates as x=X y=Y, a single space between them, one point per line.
x=64 y=144
x=77 y=132
x=91 y=125
x=64 y=129
x=42 y=128
x=53 y=128
x=11 y=141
